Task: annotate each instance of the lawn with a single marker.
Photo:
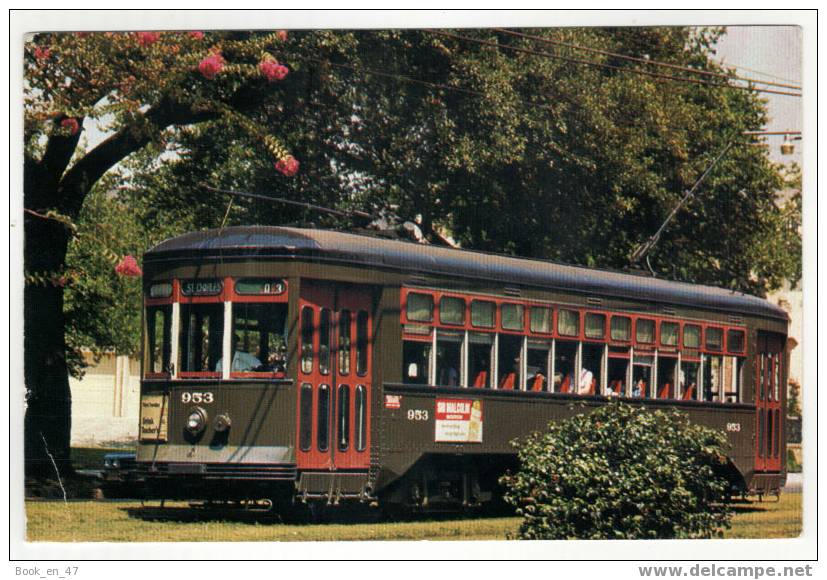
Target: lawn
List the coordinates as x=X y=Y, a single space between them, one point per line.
x=87 y=521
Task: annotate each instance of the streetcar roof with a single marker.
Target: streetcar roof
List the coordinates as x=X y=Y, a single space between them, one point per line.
x=329 y=246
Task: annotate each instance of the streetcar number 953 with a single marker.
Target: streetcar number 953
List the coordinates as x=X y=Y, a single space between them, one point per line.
x=733 y=427
x=197 y=397
x=417 y=415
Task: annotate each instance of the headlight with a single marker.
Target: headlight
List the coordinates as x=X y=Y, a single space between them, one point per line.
x=197 y=421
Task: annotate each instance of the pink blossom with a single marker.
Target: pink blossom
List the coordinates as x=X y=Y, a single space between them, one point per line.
x=82 y=34
x=288 y=166
x=41 y=53
x=71 y=124
x=196 y=34
x=148 y=38
x=271 y=69
x=128 y=267
x=211 y=65
x=282 y=34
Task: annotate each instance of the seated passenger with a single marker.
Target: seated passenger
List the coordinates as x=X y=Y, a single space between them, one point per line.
x=639 y=389
x=585 y=385
x=242 y=361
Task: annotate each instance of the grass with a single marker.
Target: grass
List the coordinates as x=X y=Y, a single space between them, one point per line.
x=87 y=521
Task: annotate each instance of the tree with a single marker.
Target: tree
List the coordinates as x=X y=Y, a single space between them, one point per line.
x=478 y=132
x=141 y=86
x=621 y=472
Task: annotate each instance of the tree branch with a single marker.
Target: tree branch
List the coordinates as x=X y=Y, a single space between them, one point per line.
x=82 y=175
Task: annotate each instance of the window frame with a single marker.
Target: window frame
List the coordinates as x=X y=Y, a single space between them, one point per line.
x=640 y=343
x=265 y=374
x=606 y=322
x=194 y=301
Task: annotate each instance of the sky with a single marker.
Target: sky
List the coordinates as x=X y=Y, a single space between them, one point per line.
x=777 y=52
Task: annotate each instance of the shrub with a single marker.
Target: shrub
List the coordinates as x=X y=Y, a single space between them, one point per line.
x=621 y=472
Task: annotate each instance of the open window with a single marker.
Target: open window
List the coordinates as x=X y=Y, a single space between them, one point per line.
x=642 y=371
x=416 y=362
x=565 y=361
x=259 y=341
x=618 y=370
x=591 y=369
x=667 y=367
x=448 y=358
x=201 y=340
x=480 y=348
x=158 y=341
x=713 y=379
x=688 y=379
x=509 y=361
x=537 y=372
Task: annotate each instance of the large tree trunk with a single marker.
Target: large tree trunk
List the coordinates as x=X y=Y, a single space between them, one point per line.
x=47 y=423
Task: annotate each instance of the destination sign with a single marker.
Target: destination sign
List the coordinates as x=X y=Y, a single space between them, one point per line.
x=201 y=287
x=154 y=417
x=260 y=286
x=162 y=290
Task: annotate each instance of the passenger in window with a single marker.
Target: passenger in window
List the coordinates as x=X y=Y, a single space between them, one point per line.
x=242 y=361
x=639 y=388
x=276 y=362
x=585 y=385
x=449 y=377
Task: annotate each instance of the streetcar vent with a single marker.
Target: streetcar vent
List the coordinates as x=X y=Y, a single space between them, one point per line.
x=736 y=319
x=512 y=291
x=594 y=301
x=669 y=311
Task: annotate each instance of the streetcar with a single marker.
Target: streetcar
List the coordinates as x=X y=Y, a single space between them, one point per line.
x=307 y=366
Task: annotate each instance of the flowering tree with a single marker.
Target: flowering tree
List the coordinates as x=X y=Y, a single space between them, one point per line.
x=138 y=89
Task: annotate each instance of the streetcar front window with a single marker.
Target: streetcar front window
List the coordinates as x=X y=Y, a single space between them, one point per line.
x=259 y=342
x=158 y=334
x=201 y=336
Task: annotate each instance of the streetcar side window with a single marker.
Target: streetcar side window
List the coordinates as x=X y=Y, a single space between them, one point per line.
x=735 y=340
x=537 y=366
x=568 y=322
x=642 y=375
x=691 y=336
x=420 y=307
x=595 y=325
x=201 y=337
x=158 y=337
x=621 y=328
x=713 y=378
x=618 y=370
x=259 y=342
x=451 y=310
x=565 y=358
x=667 y=367
x=480 y=348
x=416 y=358
x=482 y=313
x=513 y=316
x=714 y=338
x=669 y=333
x=541 y=319
x=688 y=380
x=509 y=361
x=448 y=358
x=591 y=370
x=645 y=330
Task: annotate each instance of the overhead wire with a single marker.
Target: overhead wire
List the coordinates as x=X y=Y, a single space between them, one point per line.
x=608 y=66
x=645 y=61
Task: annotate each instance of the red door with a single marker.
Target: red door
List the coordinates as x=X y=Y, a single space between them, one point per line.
x=769 y=394
x=335 y=361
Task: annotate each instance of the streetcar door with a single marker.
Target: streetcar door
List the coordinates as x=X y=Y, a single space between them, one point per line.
x=769 y=395
x=335 y=359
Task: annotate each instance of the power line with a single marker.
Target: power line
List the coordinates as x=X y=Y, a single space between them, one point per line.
x=609 y=66
x=645 y=61
x=758 y=72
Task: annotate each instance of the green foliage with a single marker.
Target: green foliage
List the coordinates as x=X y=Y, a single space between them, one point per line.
x=621 y=472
